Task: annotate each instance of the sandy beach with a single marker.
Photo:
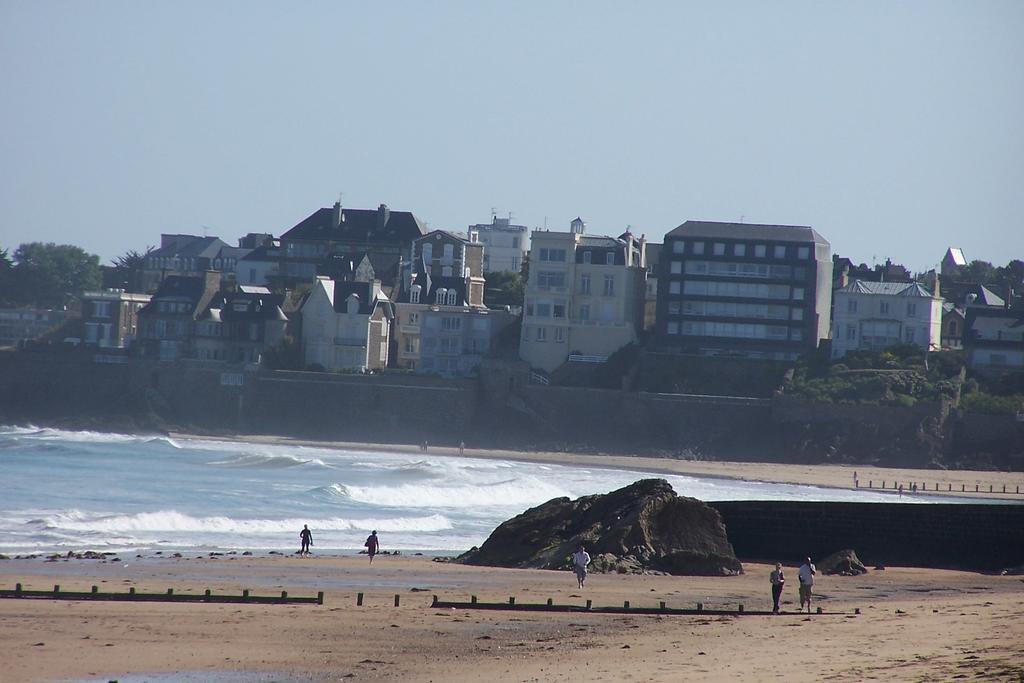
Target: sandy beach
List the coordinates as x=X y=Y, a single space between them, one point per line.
x=921 y=625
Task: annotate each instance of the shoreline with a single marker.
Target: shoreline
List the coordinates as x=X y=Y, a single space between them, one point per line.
x=822 y=476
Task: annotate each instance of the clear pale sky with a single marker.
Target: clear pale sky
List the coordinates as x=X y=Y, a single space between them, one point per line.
x=894 y=128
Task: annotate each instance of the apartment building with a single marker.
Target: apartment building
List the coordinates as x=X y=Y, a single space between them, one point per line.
x=504 y=244
x=743 y=289
x=875 y=315
x=585 y=295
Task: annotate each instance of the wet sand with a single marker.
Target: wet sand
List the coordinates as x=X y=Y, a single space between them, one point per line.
x=915 y=624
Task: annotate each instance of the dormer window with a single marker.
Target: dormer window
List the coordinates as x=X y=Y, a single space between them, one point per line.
x=439 y=296
x=414 y=294
x=452 y=294
x=352 y=304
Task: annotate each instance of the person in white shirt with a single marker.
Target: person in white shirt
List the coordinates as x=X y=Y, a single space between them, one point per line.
x=580 y=560
x=806 y=576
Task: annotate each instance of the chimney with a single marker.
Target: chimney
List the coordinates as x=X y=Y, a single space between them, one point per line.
x=336 y=215
x=383 y=215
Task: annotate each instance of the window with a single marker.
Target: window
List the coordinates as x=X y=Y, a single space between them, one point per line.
x=799 y=273
x=558 y=310
x=911 y=310
x=449 y=254
x=452 y=296
x=883 y=307
x=798 y=294
x=410 y=344
x=451 y=323
x=674 y=288
x=550 y=280
x=609 y=285
x=698 y=248
x=585 y=284
x=414 y=295
x=383 y=352
x=609 y=258
x=676 y=267
x=101 y=309
x=797 y=314
x=542 y=334
x=428 y=253
x=951 y=329
x=851 y=306
x=515 y=242
x=678 y=247
x=780 y=251
x=446 y=271
x=803 y=252
x=557 y=255
x=673 y=328
x=439 y=295
x=584 y=311
x=719 y=249
x=753 y=290
x=588 y=256
x=738 y=269
x=851 y=333
x=543 y=310
x=760 y=250
x=796 y=334
x=739 y=250
x=560 y=335
x=908 y=335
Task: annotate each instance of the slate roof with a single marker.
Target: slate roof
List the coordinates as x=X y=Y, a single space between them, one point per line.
x=986 y=297
x=342 y=291
x=956 y=255
x=180 y=288
x=430 y=285
x=192 y=246
x=748 y=231
x=358 y=225
x=887 y=288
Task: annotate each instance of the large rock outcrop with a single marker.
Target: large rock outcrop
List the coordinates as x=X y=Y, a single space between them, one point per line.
x=642 y=527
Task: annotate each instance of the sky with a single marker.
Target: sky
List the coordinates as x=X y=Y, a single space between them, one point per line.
x=893 y=128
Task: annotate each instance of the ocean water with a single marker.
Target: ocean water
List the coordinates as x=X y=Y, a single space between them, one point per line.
x=62 y=490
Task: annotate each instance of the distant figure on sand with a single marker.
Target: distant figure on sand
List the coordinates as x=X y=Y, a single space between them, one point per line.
x=806 y=576
x=372 y=545
x=462 y=448
x=901 y=490
x=306 y=536
x=778 y=579
x=580 y=560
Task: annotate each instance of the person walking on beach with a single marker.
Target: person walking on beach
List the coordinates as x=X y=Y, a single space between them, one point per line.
x=372 y=545
x=778 y=579
x=806 y=576
x=580 y=560
x=306 y=537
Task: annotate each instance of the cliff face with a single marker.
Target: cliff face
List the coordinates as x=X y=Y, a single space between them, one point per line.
x=642 y=527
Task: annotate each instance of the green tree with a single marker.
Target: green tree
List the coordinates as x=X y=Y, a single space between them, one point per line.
x=981 y=272
x=504 y=289
x=50 y=275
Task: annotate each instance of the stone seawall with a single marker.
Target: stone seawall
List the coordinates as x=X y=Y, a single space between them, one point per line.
x=500 y=409
x=962 y=536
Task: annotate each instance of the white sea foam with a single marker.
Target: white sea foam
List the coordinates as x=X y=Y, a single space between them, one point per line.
x=265 y=461
x=174 y=521
x=522 y=491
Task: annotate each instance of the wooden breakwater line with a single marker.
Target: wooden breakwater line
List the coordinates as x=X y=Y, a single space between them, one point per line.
x=626 y=608
x=170 y=596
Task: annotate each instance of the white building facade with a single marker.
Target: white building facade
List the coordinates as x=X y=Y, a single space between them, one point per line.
x=871 y=316
x=504 y=244
x=346 y=326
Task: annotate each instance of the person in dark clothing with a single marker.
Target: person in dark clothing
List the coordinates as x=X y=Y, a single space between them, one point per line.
x=778 y=579
x=372 y=545
x=306 y=536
